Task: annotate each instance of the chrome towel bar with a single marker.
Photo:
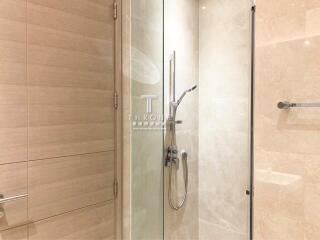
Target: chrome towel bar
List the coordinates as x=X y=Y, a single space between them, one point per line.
x=287 y=105
x=9 y=199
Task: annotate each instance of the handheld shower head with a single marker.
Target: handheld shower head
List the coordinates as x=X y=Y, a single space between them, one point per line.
x=194 y=87
x=185 y=93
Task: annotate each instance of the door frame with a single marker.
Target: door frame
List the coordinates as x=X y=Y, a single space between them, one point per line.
x=252 y=115
x=118 y=117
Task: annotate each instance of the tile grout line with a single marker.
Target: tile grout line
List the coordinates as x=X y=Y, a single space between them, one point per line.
x=98 y=21
x=109 y=201
x=72 y=155
x=64 y=156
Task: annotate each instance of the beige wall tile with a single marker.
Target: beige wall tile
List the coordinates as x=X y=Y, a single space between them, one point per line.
x=14 y=10
x=71 y=78
x=67 y=104
x=311 y=232
x=13 y=91
x=82 y=8
x=63 y=184
x=64 y=21
x=19 y=233
x=94 y=223
x=79 y=111
x=47 y=37
x=286 y=191
x=70 y=73
x=47 y=142
x=285 y=20
x=13 y=182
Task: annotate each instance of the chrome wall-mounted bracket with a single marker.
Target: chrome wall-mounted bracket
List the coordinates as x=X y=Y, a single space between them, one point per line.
x=288 y=105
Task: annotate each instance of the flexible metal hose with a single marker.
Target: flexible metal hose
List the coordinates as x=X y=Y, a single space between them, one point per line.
x=178 y=204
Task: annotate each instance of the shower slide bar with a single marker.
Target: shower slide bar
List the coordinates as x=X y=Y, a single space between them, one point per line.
x=288 y=105
x=9 y=199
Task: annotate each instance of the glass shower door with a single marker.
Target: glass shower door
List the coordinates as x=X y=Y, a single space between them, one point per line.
x=211 y=41
x=146 y=120
x=177 y=40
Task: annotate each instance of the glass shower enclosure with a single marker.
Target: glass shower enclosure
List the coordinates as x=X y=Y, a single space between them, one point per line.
x=176 y=46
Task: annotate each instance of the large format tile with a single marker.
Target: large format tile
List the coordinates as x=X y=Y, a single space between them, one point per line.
x=284 y=20
x=13 y=182
x=19 y=233
x=68 y=121
x=51 y=38
x=94 y=223
x=13 y=90
x=82 y=8
x=14 y=10
x=63 y=184
x=65 y=109
x=286 y=149
x=70 y=77
x=45 y=16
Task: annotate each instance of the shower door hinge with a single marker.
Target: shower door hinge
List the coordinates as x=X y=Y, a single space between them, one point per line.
x=115 y=10
x=116 y=104
x=115 y=188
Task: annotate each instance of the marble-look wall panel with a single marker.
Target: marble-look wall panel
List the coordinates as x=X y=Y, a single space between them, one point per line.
x=287 y=188
x=224 y=76
x=181 y=35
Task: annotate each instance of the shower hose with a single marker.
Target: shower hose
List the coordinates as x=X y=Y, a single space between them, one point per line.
x=175 y=203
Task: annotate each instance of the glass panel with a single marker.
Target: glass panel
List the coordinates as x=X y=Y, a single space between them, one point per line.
x=181 y=37
x=212 y=44
x=146 y=119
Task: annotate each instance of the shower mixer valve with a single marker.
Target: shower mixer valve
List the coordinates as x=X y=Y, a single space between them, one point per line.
x=172 y=157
